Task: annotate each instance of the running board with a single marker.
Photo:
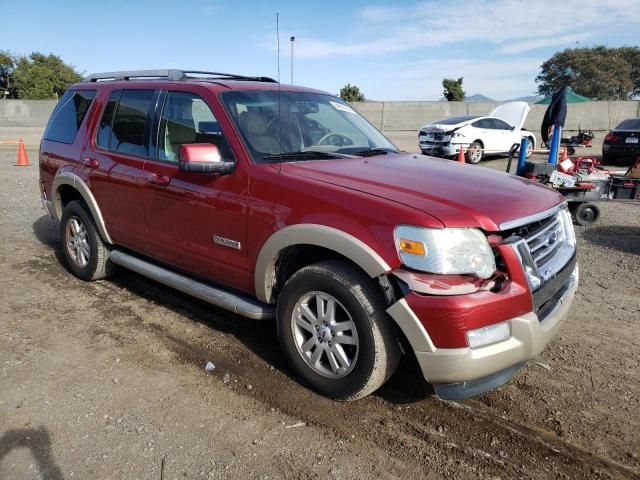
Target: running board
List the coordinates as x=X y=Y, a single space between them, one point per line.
x=220 y=298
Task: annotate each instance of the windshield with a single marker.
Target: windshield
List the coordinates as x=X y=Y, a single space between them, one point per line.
x=293 y=126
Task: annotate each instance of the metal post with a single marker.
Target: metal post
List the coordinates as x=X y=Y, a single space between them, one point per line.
x=555 y=144
x=293 y=39
x=522 y=157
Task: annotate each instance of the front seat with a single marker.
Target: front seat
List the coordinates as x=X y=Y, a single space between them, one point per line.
x=254 y=126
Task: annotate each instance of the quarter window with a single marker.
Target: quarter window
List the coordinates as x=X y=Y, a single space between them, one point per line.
x=130 y=123
x=186 y=118
x=68 y=114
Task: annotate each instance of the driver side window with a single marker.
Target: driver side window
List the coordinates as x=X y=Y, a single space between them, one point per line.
x=186 y=118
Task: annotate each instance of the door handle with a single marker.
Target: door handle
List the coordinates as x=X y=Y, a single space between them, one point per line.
x=90 y=162
x=161 y=180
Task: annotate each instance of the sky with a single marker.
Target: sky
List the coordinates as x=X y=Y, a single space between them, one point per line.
x=391 y=50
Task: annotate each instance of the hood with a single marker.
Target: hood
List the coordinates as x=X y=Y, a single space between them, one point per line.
x=459 y=195
x=514 y=113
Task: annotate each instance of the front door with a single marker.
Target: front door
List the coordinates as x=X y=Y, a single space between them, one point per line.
x=195 y=221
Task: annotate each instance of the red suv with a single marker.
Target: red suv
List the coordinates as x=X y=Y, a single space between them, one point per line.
x=276 y=201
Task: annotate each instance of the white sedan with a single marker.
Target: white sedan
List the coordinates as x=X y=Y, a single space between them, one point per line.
x=492 y=135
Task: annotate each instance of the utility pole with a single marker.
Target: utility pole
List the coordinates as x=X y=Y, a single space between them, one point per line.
x=293 y=39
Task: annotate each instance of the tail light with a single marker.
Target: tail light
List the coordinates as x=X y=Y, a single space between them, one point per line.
x=612 y=137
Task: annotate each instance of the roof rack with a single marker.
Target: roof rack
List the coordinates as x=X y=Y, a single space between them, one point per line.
x=172 y=74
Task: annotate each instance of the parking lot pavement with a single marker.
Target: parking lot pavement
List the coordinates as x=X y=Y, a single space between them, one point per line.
x=107 y=380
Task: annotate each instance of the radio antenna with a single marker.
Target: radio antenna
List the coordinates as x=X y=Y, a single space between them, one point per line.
x=278 y=42
x=279 y=94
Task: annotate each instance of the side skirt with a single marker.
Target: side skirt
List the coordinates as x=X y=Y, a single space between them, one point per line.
x=239 y=304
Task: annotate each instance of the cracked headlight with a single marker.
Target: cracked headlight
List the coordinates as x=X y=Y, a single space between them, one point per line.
x=445 y=250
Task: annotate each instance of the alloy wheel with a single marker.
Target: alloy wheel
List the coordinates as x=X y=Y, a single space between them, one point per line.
x=325 y=334
x=77 y=241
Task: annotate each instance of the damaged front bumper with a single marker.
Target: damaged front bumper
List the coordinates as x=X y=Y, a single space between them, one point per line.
x=462 y=372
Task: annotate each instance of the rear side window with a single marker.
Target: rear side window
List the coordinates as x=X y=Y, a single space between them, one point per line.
x=106 y=122
x=484 y=123
x=67 y=117
x=130 y=123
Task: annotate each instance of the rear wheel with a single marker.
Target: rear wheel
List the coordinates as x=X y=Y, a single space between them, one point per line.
x=84 y=251
x=334 y=330
x=529 y=148
x=474 y=153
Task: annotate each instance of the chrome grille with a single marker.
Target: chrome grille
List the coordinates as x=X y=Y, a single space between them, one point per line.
x=546 y=241
x=545 y=246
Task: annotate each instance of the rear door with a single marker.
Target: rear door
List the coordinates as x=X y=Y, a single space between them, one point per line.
x=186 y=212
x=504 y=134
x=482 y=130
x=115 y=163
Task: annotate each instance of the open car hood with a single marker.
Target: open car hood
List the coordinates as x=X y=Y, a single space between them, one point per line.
x=514 y=113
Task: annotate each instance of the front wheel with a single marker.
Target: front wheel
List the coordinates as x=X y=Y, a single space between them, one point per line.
x=335 y=332
x=474 y=153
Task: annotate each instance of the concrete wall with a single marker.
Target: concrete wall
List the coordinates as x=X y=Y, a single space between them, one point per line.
x=410 y=116
x=25 y=113
x=389 y=116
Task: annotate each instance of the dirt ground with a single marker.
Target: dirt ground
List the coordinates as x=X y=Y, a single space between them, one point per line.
x=106 y=380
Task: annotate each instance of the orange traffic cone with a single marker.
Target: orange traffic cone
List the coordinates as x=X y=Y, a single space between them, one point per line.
x=461 y=155
x=23 y=160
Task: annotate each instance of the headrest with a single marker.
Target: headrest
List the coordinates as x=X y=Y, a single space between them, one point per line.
x=253 y=123
x=180 y=133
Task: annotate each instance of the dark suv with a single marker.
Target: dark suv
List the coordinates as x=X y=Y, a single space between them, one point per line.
x=276 y=201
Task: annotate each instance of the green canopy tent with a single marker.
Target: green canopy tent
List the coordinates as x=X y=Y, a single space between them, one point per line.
x=572 y=97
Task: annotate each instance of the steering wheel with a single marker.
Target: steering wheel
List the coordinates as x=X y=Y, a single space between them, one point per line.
x=272 y=123
x=335 y=139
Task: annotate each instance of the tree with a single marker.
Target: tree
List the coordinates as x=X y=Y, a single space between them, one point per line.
x=453 y=91
x=351 y=93
x=600 y=73
x=41 y=76
x=7 y=64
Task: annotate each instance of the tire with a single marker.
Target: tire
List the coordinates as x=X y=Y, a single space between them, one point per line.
x=85 y=253
x=370 y=345
x=529 y=148
x=586 y=214
x=474 y=153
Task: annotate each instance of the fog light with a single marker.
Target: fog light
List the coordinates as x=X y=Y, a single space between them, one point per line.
x=481 y=337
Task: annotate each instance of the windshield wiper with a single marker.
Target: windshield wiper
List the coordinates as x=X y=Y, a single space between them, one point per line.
x=369 y=152
x=304 y=155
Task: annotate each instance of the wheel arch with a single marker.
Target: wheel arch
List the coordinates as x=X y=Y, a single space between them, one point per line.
x=79 y=190
x=330 y=240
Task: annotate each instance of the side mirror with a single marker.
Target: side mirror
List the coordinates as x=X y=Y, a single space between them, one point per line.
x=203 y=158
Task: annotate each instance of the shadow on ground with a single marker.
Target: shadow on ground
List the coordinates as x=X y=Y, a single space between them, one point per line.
x=260 y=337
x=623 y=238
x=39 y=442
